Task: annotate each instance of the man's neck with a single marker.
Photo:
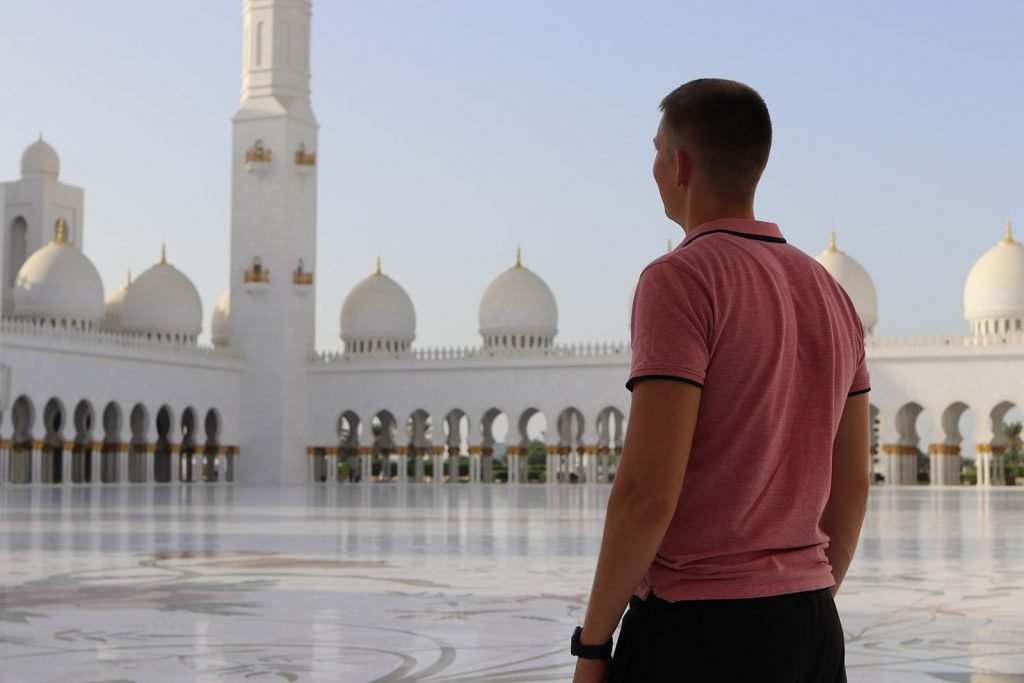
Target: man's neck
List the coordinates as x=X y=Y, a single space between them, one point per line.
x=699 y=215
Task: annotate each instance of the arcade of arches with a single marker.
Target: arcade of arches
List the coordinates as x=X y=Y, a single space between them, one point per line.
x=85 y=446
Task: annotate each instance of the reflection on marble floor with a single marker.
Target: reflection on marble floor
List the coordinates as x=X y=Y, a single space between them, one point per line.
x=445 y=583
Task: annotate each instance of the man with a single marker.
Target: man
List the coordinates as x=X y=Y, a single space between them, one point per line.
x=743 y=480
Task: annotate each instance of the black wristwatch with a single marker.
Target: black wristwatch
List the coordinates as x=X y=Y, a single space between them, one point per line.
x=578 y=649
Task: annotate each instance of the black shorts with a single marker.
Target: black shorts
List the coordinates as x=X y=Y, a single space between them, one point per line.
x=795 y=638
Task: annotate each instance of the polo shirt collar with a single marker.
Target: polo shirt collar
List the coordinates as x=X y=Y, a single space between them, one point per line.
x=743 y=227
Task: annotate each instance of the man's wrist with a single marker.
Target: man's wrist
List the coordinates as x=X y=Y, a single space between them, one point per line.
x=580 y=647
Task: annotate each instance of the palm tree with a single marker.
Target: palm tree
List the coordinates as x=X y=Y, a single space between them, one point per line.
x=1014 y=461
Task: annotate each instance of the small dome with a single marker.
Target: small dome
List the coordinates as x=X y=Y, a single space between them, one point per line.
x=40 y=159
x=58 y=282
x=518 y=304
x=378 y=310
x=855 y=280
x=163 y=301
x=994 y=291
x=113 y=304
x=219 y=325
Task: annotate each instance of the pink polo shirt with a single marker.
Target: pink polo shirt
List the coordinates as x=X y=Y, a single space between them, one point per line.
x=777 y=346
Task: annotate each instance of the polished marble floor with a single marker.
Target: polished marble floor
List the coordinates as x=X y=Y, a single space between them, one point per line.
x=438 y=583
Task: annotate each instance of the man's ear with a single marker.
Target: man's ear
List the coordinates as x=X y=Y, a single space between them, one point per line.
x=684 y=167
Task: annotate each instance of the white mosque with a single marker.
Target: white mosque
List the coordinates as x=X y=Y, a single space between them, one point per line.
x=98 y=390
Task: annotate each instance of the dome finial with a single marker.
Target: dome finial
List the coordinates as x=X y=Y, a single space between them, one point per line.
x=1008 y=237
x=128 y=282
x=163 y=254
x=62 y=231
x=832 y=241
x=519 y=257
x=378 y=271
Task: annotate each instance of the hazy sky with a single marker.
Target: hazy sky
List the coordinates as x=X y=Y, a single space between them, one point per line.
x=451 y=131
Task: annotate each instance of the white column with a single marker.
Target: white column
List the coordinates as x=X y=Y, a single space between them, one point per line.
x=403 y=464
x=418 y=467
x=96 y=464
x=551 y=465
x=37 y=462
x=438 y=476
x=199 y=466
x=176 y=474
x=122 y=464
x=5 y=462
x=149 y=462
x=331 y=460
x=220 y=464
x=366 y=456
x=310 y=465
x=67 y=456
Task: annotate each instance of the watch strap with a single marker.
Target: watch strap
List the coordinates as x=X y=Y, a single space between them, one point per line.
x=578 y=649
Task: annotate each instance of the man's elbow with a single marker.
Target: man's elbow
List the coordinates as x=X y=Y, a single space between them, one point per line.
x=645 y=502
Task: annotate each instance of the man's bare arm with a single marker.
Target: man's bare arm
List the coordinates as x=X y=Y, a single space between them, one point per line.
x=662 y=418
x=847 y=502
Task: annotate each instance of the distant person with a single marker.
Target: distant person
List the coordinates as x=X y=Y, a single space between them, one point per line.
x=743 y=481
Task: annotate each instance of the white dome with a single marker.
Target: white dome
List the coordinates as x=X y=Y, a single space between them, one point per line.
x=113 y=304
x=38 y=159
x=518 y=303
x=58 y=282
x=219 y=325
x=855 y=280
x=995 y=285
x=378 y=309
x=162 y=301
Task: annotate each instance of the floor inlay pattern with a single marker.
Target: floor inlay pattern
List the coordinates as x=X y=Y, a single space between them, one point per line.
x=438 y=583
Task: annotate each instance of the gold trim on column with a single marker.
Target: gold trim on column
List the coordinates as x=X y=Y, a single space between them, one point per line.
x=124 y=447
x=474 y=450
x=439 y=450
x=175 y=449
x=943 y=449
x=331 y=450
x=150 y=448
x=6 y=443
x=37 y=445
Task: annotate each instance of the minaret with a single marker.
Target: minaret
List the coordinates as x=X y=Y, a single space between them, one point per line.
x=273 y=240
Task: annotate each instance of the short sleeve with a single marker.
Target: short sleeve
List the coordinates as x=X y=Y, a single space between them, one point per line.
x=861 y=379
x=671 y=325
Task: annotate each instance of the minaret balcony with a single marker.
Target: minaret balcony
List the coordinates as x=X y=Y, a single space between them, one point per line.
x=256 y=280
x=258 y=158
x=305 y=161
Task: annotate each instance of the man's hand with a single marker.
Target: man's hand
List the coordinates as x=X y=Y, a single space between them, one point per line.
x=592 y=670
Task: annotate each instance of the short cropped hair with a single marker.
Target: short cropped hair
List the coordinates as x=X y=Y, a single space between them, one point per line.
x=727 y=125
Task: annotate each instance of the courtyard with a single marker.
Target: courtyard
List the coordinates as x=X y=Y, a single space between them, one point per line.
x=421 y=582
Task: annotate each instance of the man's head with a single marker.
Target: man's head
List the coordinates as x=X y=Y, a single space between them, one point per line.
x=712 y=146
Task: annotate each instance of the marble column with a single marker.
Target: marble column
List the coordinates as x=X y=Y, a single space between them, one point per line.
x=67 y=456
x=220 y=464
x=487 y=466
x=331 y=458
x=199 y=466
x=552 y=463
x=590 y=464
x=403 y=464
x=5 y=461
x=454 y=462
x=982 y=463
x=475 y=453
x=96 y=465
x=438 y=475
x=419 y=469
x=311 y=465
x=123 y=455
x=149 y=462
x=511 y=460
x=37 y=462
x=177 y=476
x=366 y=456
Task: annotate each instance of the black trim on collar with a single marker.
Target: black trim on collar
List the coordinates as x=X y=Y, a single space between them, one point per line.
x=634 y=380
x=745 y=235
